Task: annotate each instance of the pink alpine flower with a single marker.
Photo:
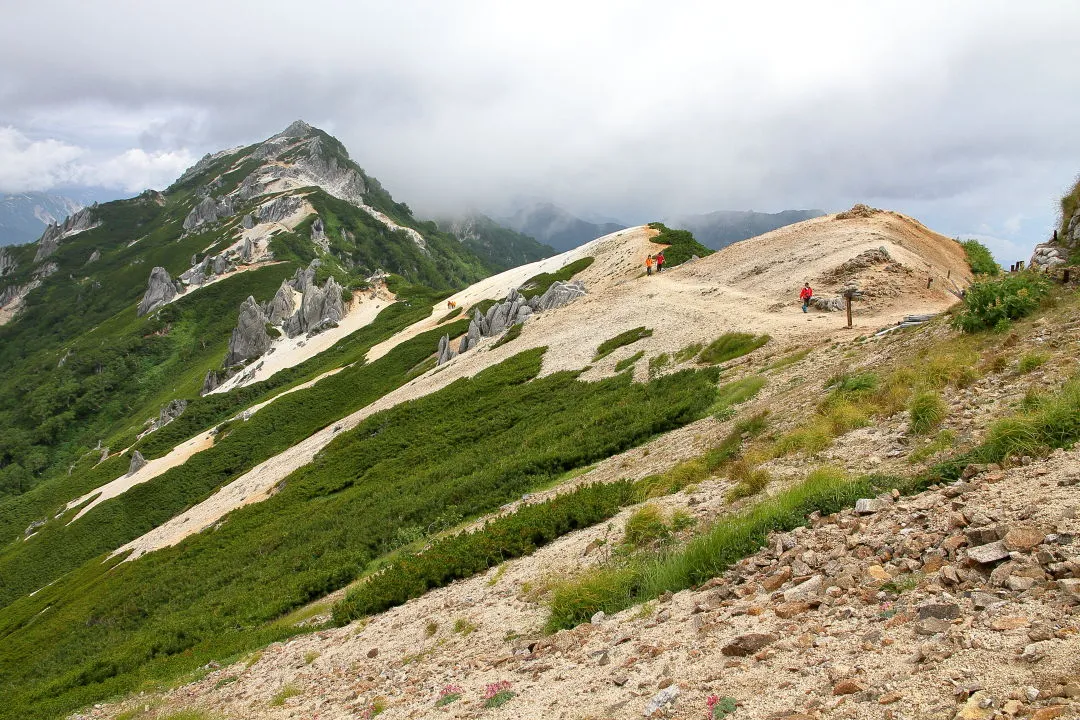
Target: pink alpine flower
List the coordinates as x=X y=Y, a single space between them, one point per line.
x=495 y=688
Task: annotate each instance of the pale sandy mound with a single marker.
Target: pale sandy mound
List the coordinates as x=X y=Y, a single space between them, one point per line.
x=751 y=286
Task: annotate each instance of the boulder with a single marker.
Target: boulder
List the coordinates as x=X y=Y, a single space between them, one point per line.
x=247 y=253
x=94 y=257
x=318 y=234
x=989 y=553
x=827 y=304
x=748 y=644
x=319 y=307
x=249 y=338
x=248 y=221
x=221 y=265
x=137 y=463
x=160 y=289
x=208 y=210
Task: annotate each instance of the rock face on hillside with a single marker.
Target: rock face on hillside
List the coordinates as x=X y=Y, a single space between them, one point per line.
x=282 y=306
x=171 y=411
x=77 y=223
x=280 y=208
x=207 y=211
x=7 y=263
x=138 y=462
x=319 y=308
x=249 y=338
x=1049 y=255
x=160 y=289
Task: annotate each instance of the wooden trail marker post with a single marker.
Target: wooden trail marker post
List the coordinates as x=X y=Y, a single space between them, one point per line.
x=849 y=293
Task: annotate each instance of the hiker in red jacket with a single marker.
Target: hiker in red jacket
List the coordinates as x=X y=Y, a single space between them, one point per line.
x=805 y=295
x=660 y=261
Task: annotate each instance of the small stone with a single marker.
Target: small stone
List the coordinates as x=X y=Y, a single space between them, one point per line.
x=773 y=582
x=889 y=698
x=988 y=553
x=620 y=680
x=791 y=609
x=1023 y=539
x=982 y=600
x=373 y=652
x=847 y=687
x=949 y=575
x=747 y=644
x=661 y=699
x=1008 y=623
x=932 y=626
x=975 y=710
x=1048 y=713
x=868 y=506
x=803 y=590
x=1071 y=587
x=943 y=611
x=878 y=573
x=598 y=618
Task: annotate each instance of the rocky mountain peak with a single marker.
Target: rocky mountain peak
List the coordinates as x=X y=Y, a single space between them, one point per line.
x=296 y=129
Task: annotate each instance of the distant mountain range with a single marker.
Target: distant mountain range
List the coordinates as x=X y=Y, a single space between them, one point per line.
x=724 y=227
x=554 y=226
x=497 y=245
x=24 y=216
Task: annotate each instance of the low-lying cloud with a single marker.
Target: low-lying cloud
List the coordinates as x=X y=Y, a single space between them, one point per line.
x=961 y=113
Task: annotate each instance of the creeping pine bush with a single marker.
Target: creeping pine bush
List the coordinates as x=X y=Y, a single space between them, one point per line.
x=467 y=554
x=730 y=346
x=993 y=304
x=624 y=338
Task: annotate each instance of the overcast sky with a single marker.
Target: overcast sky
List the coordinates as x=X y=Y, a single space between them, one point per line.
x=963 y=114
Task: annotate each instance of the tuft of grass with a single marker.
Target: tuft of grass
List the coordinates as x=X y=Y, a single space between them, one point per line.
x=629 y=362
x=464 y=626
x=788 y=360
x=622 y=339
x=646 y=526
x=310 y=656
x=658 y=363
x=737 y=392
x=902 y=583
x=749 y=481
x=431 y=628
x=927 y=411
x=616 y=587
x=1031 y=360
x=284 y=694
x=1053 y=422
x=687 y=353
x=944 y=440
x=730 y=346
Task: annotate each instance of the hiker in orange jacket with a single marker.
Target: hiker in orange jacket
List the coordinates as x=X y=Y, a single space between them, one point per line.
x=805 y=295
x=648 y=264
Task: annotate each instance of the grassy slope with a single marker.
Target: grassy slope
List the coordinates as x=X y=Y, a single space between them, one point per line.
x=401 y=469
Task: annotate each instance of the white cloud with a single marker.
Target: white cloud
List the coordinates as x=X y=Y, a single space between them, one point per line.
x=27 y=164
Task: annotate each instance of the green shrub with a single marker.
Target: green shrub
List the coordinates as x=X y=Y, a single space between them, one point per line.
x=749 y=481
x=629 y=362
x=658 y=363
x=993 y=304
x=850 y=383
x=512 y=334
x=788 y=360
x=681 y=245
x=687 y=353
x=942 y=441
x=538 y=284
x=979 y=259
x=927 y=411
x=737 y=392
x=1054 y=422
x=730 y=346
x=622 y=339
x=1032 y=360
x=1070 y=204
x=468 y=554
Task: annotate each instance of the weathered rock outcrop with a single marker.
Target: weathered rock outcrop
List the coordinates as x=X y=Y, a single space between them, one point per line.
x=279 y=208
x=282 y=306
x=249 y=337
x=248 y=221
x=160 y=289
x=446 y=353
x=7 y=263
x=1049 y=255
x=559 y=294
x=207 y=211
x=303 y=280
x=319 y=308
x=827 y=304
x=77 y=223
x=137 y=463
x=171 y=411
x=210 y=382
x=318 y=234
x=94 y=257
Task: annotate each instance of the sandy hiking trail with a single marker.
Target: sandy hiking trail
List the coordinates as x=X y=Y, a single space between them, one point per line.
x=751 y=286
